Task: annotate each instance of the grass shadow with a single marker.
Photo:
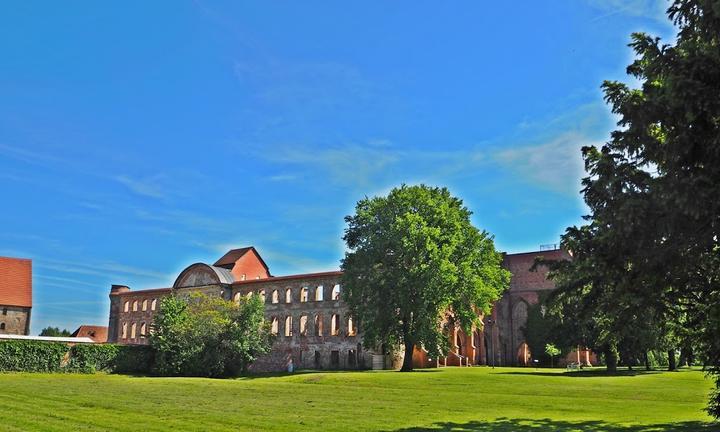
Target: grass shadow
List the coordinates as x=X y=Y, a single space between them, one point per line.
x=537 y=425
x=584 y=374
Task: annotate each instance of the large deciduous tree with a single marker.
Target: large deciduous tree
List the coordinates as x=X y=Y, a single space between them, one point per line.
x=415 y=266
x=647 y=264
x=208 y=336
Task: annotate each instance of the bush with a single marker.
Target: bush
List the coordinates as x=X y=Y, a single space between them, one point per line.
x=208 y=336
x=134 y=359
x=32 y=356
x=92 y=358
x=37 y=356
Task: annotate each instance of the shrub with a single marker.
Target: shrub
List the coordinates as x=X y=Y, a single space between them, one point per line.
x=134 y=359
x=208 y=336
x=38 y=356
x=86 y=358
x=32 y=356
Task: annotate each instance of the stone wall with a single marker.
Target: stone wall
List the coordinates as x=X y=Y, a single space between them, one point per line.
x=326 y=341
x=311 y=321
x=14 y=320
x=131 y=314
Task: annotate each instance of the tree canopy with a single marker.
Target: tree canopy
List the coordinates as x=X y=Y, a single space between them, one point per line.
x=416 y=266
x=54 y=331
x=646 y=267
x=200 y=335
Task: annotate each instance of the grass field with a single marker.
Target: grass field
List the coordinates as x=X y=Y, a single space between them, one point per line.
x=463 y=399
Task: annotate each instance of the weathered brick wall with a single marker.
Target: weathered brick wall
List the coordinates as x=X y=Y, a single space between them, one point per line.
x=313 y=349
x=340 y=349
x=128 y=308
x=14 y=320
x=249 y=267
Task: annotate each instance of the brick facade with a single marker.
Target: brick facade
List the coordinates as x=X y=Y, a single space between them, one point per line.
x=312 y=322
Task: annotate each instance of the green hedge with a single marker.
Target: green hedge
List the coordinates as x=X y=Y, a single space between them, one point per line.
x=37 y=356
x=32 y=356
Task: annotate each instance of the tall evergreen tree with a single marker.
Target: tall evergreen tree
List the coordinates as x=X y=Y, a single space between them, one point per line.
x=649 y=255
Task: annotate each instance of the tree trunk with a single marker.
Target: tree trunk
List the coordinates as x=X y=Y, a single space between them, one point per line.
x=408 y=360
x=611 y=359
x=646 y=358
x=683 y=357
x=672 y=365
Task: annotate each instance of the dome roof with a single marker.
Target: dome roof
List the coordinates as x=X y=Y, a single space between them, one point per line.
x=200 y=274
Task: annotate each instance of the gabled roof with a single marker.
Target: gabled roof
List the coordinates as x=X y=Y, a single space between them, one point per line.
x=228 y=260
x=15 y=282
x=96 y=333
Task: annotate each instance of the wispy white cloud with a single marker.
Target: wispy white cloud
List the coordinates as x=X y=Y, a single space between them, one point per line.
x=372 y=165
x=351 y=164
x=304 y=85
x=283 y=177
x=556 y=164
x=148 y=187
x=654 y=9
x=105 y=269
x=30 y=156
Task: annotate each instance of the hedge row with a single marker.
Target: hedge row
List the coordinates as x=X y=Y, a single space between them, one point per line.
x=36 y=356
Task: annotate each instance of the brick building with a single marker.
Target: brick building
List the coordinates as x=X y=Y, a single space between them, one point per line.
x=99 y=334
x=312 y=322
x=15 y=295
x=504 y=337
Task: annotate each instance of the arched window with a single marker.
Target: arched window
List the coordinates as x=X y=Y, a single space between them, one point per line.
x=143 y=330
x=318 y=325
x=288 y=295
x=2 y=326
x=275 y=296
x=336 y=292
x=274 y=326
x=261 y=293
x=124 y=331
x=334 y=325
x=304 y=294
x=126 y=308
x=288 y=326
x=4 y=311
x=144 y=303
x=153 y=304
x=303 y=325
x=133 y=329
x=351 y=327
x=236 y=297
x=319 y=293
x=135 y=306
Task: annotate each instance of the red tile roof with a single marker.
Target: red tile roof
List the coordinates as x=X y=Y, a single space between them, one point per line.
x=97 y=333
x=15 y=282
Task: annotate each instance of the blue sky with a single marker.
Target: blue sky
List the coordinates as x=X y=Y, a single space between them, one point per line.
x=140 y=137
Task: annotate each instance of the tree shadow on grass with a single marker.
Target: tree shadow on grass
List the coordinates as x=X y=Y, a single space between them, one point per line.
x=584 y=374
x=538 y=425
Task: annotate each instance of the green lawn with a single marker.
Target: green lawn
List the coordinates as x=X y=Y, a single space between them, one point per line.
x=483 y=399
